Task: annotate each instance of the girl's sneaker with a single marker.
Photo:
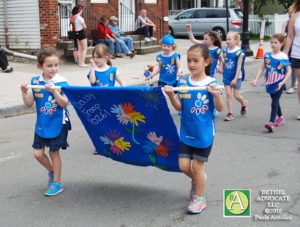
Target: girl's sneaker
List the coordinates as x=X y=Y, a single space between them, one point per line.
x=193 y=183
x=270 y=126
x=51 y=177
x=244 y=108
x=197 y=205
x=54 y=189
x=279 y=121
x=229 y=117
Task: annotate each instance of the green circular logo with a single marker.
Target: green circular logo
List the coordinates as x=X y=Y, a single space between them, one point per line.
x=236 y=202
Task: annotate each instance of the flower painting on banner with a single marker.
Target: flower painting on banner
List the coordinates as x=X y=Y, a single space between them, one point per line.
x=128 y=124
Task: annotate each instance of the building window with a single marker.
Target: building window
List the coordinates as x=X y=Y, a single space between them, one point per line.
x=99 y=1
x=150 y=1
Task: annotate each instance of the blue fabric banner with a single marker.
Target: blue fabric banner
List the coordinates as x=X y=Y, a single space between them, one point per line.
x=128 y=124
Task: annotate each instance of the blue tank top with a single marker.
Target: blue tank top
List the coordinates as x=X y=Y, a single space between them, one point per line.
x=197 y=117
x=230 y=65
x=168 y=68
x=49 y=114
x=106 y=78
x=215 y=54
x=275 y=71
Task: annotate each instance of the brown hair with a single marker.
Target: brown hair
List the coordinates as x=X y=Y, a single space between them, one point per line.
x=280 y=38
x=236 y=36
x=296 y=6
x=174 y=46
x=204 y=51
x=46 y=52
x=101 y=50
x=215 y=37
x=103 y=20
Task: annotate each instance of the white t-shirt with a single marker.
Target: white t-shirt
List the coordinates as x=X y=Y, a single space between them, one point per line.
x=296 y=42
x=280 y=55
x=78 y=22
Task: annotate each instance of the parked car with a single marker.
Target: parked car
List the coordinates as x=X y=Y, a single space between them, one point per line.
x=205 y=19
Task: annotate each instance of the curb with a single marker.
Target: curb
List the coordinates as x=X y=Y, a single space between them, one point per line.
x=22 y=109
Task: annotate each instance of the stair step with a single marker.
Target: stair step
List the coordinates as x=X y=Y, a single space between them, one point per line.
x=148 y=49
x=69 y=52
x=143 y=43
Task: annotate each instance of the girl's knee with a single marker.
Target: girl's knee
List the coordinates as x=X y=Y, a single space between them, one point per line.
x=184 y=167
x=38 y=154
x=54 y=154
x=198 y=166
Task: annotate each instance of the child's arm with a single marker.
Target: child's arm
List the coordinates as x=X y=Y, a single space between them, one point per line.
x=238 y=71
x=259 y=73
x=218 y=101
x=61 y=100
x=27 y=96
x=92 y=77
x=173 y=97
x=155 y=71
x=287 y=76
x=179 y=68
x=191 y=36
x=120 y=81
x=108 y=36
x=221 y=67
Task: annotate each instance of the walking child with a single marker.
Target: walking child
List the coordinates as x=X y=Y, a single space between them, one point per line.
x=214 y=43
x=169 y=67
x=51 y=129
x=278 y=71
x=233 y=73
x=102 y=73
x=197 y=121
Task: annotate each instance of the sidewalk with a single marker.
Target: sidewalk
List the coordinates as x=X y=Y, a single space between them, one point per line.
x=131 y=70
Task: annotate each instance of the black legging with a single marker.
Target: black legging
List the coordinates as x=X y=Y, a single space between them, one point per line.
x=3 y=60
x=275 y=106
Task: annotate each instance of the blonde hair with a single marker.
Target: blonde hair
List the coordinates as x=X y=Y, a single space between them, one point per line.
x=174 y=46
x=236 y=36
x=101 y=50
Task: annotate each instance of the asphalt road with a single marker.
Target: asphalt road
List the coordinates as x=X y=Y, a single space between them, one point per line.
x=101 y=192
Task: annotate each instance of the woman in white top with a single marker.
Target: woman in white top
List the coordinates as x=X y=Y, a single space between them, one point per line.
x=80 y=28
x=293 y=41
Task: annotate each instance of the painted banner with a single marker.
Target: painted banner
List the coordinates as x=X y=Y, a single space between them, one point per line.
x=128 y=124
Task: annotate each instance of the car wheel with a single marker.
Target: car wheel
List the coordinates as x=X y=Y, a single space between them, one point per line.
x=220 y=32
x=171 y=32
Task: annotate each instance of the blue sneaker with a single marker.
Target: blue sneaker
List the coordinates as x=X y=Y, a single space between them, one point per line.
x=76 y=63
x=54 y=189
x=51 y=177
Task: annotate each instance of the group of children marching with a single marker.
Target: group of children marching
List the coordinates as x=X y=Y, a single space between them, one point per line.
x=198 y=108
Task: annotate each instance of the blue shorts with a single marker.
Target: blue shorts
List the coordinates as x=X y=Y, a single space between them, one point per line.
x=53 y=143
x=238 y=85
x=186 y=151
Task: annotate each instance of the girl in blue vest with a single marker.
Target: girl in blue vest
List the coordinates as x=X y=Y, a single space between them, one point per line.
x=51 y=129
x=102 y=73
x=233 y=73
x=197 y=121
x=214 y=43
x=278 y=71
x=169 y=63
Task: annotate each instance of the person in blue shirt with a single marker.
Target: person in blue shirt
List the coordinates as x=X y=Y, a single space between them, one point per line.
x=52 y=125
x=169 y=67
x=214 y=43
x=278 y=71
x=233 y=73
x=126 y=44
x=197 y=128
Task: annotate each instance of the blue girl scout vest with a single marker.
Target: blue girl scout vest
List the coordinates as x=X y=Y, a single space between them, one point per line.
x=215 y=54
x=230 y=65
x=106 y=78
x=168 y=68
x=49 y=114
x=197 y=118
x=275 y=72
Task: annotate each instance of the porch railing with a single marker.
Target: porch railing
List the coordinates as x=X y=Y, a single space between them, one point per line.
x=65 y=13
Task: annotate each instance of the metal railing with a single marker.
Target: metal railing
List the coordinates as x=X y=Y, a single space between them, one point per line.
x=65 y=13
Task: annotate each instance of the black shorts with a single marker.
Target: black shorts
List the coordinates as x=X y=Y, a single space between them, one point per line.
x=295 y=63
x=162 y=84
x=186 y=151
x=53 y=143
x=80 y=35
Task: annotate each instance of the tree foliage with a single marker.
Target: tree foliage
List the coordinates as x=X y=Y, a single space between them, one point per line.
x=286 y=3
x=258 y=4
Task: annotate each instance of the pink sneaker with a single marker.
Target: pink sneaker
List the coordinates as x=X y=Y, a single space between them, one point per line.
x=279 y=121
x=270 y=126
x=197 y=205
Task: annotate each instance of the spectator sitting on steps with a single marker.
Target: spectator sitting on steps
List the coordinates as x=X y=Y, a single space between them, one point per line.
x=4 y=63
x=144 y=26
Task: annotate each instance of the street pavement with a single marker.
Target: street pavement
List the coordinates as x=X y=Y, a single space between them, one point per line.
x=102 y=192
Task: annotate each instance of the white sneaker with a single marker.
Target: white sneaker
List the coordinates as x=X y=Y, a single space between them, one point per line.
x=197 y=205
x=153 y=38
x=147 y=39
